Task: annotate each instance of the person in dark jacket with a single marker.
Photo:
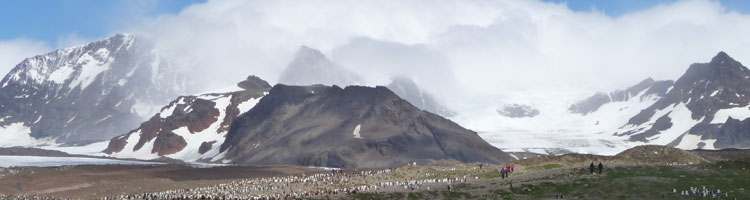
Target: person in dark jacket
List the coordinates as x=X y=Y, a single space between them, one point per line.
x=591 y=168
x=601 y=167
x=502 y=173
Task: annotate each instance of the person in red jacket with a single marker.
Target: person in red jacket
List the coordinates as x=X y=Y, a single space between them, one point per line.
x=507 y=169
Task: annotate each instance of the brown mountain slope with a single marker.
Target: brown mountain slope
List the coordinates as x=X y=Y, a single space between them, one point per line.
x=360 y=127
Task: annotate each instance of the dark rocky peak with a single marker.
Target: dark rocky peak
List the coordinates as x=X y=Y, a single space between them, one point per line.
x=310 y=67
x=721 y=70
x=723 y=59
x=335 y=97
x=708 y=87
x=253 y=83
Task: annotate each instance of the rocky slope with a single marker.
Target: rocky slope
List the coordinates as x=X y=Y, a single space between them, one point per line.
x=86 y=93
x=356 y=126
x=190 y=128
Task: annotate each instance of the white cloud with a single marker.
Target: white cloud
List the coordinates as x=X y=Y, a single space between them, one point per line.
x=490 y=47
x=14 y=51
x=71 y=40
x=380 y=61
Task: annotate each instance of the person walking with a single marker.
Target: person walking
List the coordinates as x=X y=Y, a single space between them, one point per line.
x=502 y=173
x=507 y=169
x=480 y=166
x=512 y=167
x=601 y=167
x=591 y=168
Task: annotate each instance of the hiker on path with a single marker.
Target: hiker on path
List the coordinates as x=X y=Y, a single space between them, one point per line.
x=512 y=167
x=480 y=166
x=502 y=173
x=591 y=167
x=507 y=169
x=601 y=167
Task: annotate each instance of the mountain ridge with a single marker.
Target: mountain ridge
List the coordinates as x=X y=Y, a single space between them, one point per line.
x=88 y=92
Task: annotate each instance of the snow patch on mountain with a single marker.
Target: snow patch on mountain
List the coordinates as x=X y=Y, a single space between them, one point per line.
x=356 y=131
x=91 y=67
x=60 y=75
x=129 y=151
x=19 y=135
x=690 y=141
x=722 y=115
x=681 y=121
x=249 y=104
x=194 y=141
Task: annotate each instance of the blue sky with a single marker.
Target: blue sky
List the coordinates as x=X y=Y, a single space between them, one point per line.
x=48 y=20
x=616 y=8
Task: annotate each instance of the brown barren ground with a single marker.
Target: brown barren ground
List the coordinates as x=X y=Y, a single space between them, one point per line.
x=89 y=182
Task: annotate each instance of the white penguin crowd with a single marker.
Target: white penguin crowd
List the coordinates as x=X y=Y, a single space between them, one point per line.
x=303 y=186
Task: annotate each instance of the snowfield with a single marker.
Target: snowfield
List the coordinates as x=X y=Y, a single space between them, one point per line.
x=40 y=161
x=18 y=135
x=555 y=130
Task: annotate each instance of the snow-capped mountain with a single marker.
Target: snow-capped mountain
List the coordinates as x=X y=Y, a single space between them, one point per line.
x=704 y=108
x=645 y=89
x=85 y=93
x=190 y=128
x=708 y=93
x=311 y=67
x=408 y=90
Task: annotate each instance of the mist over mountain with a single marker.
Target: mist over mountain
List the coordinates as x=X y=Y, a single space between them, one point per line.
x=408 y=90
x=311 y=67
x=85 y=93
